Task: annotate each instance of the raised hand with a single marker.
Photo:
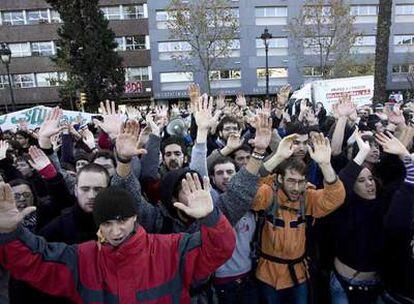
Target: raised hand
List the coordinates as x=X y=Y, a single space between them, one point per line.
x=175 y=110
x=241 y=100
x=203 y=112
x=161 y=116
x=112 y=120
x=50 y=127
x=263 y=133
x=286 y=147
x=133 y=113
x=234 y=142
x=345 y=107
x=395 y=115
x=88 y=138
x=283 y=95
x=10 y=217
x=39 y=159
x=127 y=142
x=221 y=101
x=363 y=146
x=194 y=92
x=200 y=203
x=4 y=145
x=391 y=144
x=321 y=150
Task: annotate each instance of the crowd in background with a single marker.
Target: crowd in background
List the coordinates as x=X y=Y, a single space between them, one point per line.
x=321 y=202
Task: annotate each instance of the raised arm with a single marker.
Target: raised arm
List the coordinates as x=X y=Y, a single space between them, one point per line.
x=321 y=202
x=50 y=267
x=343 y=110
x=237 y=200
x=204 y=252
x=126 y=144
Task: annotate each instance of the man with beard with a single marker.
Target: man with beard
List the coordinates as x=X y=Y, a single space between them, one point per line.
x=173 y=150
x=282 y=266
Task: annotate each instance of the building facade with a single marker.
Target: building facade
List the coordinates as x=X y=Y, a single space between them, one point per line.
x=29 y=27
x=245 y=69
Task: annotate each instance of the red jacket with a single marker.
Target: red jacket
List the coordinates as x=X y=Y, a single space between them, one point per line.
x=147 y=268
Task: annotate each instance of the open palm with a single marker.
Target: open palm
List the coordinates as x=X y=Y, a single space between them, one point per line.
x=200 y=203
x=127 y=141
x=10 y=217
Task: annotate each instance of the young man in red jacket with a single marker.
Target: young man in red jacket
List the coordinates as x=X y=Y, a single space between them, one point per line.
x=126 y=265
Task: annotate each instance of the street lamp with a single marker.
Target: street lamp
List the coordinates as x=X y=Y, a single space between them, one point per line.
x=266 y=36
x=5 y=56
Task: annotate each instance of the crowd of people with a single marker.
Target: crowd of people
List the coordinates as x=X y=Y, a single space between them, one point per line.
x=220 y=202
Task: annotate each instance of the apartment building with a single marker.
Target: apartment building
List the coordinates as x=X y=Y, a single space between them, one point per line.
x=245 y=69
x=29 y=27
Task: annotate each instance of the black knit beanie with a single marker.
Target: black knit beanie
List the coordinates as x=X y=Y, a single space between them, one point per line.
x=113 y=203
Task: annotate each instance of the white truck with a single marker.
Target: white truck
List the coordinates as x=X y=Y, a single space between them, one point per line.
x=361 y=90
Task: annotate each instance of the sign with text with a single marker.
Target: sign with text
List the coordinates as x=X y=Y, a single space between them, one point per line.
x=35 y=116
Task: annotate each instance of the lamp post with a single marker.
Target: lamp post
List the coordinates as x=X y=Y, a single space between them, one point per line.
x=5 y=56
x=266 y=36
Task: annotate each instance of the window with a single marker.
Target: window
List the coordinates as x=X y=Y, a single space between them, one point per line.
x=55 y=16
x=273 y=73
x=364 y=10
x=174 y=46
x=273 y=43
x=112 y=12
x=137 y=74
x=42 y=48
x=365 y=41
x=403 y=40
x=176 y=77
x=135 y=42
x=13 y=18
x=271 y=11
x=24 y=80
x=404 y=9
x=47 y=79
x=403 y=68
x=37 y=17
x=225 y=74
x=20 y=49
x=4 y=83
x=163 y=16
x=133 y=11
x=312 y=71
x=121 y=44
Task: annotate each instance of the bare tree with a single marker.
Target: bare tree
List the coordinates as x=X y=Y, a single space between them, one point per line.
x=324 y=28
x=382 y=50
x=210 y=27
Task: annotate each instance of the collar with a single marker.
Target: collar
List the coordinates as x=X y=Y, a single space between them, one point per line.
x=137 y=242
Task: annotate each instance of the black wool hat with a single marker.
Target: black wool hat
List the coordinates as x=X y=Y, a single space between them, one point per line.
x=113 y=203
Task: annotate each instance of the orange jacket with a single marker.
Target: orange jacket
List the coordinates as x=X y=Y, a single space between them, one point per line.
x=287 y=240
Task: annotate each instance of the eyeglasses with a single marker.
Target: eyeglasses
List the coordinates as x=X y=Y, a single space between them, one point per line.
x=25 y=195
x=229 y=129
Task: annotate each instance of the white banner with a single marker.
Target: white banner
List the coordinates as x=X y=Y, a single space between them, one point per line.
x=35 y=116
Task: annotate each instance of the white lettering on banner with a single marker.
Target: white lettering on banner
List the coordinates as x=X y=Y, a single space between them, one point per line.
x=36 y=115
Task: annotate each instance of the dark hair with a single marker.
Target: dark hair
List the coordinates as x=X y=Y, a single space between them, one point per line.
x=20 y=181
x=22 y=133
x=105 y=154
x=294 y=164
x=244 y=147
x=296 y=127
x=173 y=140
x=227 y=120
x=219 y=161
x=95 y=168
x=370 y=139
